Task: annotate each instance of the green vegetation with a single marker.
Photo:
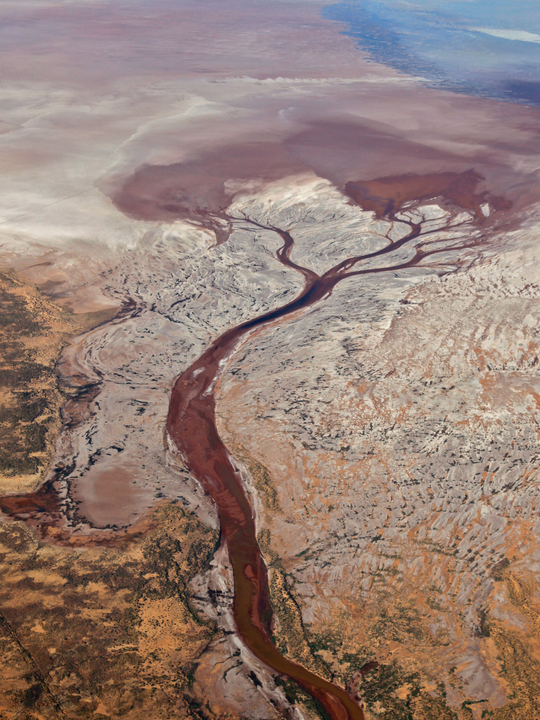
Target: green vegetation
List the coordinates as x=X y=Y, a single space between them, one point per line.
x=263 y=483
x=291 y=639
x=33 y=330
x=296 y=695
x=261 y=478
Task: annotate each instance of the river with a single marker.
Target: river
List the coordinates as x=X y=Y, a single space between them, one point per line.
x=191 y=424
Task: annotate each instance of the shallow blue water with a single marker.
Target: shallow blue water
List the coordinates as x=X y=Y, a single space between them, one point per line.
x=453 y=43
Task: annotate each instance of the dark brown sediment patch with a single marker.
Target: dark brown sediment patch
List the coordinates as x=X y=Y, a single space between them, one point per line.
x=197 y=189
x=41 y=507
x=350 y=153
x=385 y=195
x=200 y=189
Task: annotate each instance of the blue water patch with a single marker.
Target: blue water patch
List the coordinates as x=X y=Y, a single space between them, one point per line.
x=485 y=48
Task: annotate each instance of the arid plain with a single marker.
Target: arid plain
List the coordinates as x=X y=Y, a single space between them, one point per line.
x=339 y=261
